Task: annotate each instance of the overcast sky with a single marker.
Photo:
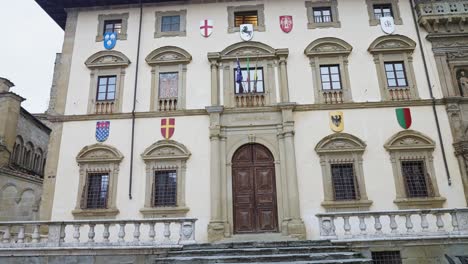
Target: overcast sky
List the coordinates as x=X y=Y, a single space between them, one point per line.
x=28 y=43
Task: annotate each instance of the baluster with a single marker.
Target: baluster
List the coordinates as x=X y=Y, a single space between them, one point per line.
x=152 y=232
x=378 y=225
x=7 y=235
x=409 y=224
x=439 y=222
x=35 y=235
x=136 y=232
x=106 y=233
x=76 y=233
x=91 y=233
x=21 y=234
x=362 y=224
x=167 y=231
x=393 y=224
x=424 y=223
x=347 y=226
x=454 y=221
x=122 y=232
x=62 y=233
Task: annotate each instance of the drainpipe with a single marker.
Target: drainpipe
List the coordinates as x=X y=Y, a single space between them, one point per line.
x=413 y=10
x=134 y=103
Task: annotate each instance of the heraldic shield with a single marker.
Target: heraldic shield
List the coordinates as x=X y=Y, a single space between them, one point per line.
x=206 y=27
x=246 y=31
x=286 y=23
x=404 y=117
x=102 y=130
x=336 y=121
x=110 y=39
x=167 y=127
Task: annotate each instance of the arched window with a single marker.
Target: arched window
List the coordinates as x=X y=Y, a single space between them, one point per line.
x=28 y=156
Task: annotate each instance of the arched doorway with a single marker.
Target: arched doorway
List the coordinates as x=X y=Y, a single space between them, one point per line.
x=254 y=190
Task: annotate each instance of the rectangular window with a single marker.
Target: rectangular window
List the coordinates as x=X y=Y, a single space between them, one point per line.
x=97 y=190
x=396 y=75
x=106 y=88
x=170 y=23
x=414 y=176
x=330 y=77
x=247 y=17
x=322 y=14
x=386 y=257
x=168 y=85
x=252 y=81
x=383 y=10
x=343 y=179
x=113 y=26
x=165 y=188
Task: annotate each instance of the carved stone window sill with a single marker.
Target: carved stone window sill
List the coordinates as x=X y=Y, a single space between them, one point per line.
x=95 y=213
x=352 y=205
x=156 y=212
x=420 y=203
x=336 y=24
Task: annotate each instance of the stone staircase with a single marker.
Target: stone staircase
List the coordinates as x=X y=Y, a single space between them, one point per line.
x=296 y=252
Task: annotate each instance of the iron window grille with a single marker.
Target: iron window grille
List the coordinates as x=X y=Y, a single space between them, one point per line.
x=396 y=74
x=416 y=179
x=322 y=14
x=246 y=17
x=383 y=10
x=386 y=257
x=113 y=26
x=344 y=182
x=170 y=23
x=165 y=188
x=106 y=88
x=330 y=76
x=96 y=191
x=249 y=84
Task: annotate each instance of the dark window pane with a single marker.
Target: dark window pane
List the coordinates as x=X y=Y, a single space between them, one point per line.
x=343 y=180
x=322 y=14
x=170 y=23
x=395 y=73
x=247 y=17
x=330 y=77
x=415 y=178
x=382 y=10
x=165 y=188
x=113 y=26
x=386 y=257
x=97 y=190
x=106 y=88
x=252 y=81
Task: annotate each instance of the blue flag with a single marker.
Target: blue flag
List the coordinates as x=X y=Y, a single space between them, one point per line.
x=239 y=77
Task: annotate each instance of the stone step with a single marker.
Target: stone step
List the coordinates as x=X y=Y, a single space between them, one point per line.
x=342 y=261
x=261 y=244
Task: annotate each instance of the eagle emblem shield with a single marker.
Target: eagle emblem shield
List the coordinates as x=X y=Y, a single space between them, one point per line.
x=110 y=39
x=102 y=130
x=387 y=24
x=167 y=127
x=336 y=121
x=286 y=23
x=246 y=31
x=206 y=27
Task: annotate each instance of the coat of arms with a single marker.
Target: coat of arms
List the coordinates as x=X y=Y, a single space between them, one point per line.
x=110 y=39
x=102 y=130
x=336 y=121
x=246 y=31
x=206 y=27
x=167 y=127
x=404 y=117
x=286 y=23
x=387 y=24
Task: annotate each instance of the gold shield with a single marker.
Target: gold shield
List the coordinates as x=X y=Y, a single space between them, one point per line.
x=336 y=121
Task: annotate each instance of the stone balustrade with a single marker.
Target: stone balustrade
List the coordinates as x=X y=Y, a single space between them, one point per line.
x=399 y=94
x=442 y=16
x=250 y=100
x=399 y=224
x=98 y=233
x=168 y=104
x=104 y=107
x=333 y=96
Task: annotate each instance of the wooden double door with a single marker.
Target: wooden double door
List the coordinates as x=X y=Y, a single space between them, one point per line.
x=254 y=190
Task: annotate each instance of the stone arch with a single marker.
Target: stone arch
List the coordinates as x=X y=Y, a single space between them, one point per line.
x=392 y=43
x=107 y=58
x=409 y=140
x=99 y=152
x=248 y=49
x=328 y=45
x=259 y=140
x=340 y=142
x=166 y=149
x=168 y=55
x=20 y=196
x=16 y=155
x=28 y=155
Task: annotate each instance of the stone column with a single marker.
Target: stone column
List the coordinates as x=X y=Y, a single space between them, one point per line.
x=283 y=74
x=10 y=107
x=213 y=58
x=216 y=225
x=461 y=152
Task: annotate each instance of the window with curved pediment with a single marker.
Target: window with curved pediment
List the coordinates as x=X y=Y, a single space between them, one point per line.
x=329 y=62
x=106 y=81
x=343 y=176
x=271 y=65
x=168 y=78
x=394 y=64
x=97 y=190
x=413 y=169
x=165 y=179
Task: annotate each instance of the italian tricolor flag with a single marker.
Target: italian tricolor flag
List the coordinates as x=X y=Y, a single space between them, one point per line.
x=403 y=117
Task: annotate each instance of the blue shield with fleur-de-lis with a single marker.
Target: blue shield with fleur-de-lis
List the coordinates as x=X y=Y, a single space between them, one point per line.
x=102 y=130
x=110 y=39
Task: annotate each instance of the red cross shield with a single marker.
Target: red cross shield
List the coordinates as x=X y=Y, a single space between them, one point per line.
x=167 y=127
x=286 y=23
x=206 y=27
